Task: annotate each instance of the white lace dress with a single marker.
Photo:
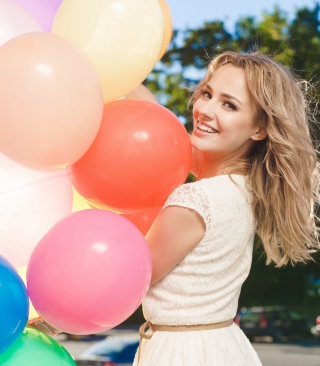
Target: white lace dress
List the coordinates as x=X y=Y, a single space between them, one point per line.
x=205 y=286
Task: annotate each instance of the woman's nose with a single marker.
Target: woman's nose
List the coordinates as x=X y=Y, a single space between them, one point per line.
x=207 y=111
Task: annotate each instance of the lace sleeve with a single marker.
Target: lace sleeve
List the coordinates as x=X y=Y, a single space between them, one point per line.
x=191 y=196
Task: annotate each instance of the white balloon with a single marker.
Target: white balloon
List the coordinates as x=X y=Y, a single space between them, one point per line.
x=15 y=20
x=30 y=203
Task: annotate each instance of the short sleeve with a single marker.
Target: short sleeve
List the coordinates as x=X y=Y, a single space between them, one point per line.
x=191 y=196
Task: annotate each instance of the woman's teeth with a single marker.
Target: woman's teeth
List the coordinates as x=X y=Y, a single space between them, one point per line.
x=204 y=128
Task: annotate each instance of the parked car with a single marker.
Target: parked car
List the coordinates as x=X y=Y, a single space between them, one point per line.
x=112 y=351
x=274 y=321
x=315 y=330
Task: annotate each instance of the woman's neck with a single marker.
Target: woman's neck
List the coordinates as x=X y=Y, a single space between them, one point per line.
x=211 y=168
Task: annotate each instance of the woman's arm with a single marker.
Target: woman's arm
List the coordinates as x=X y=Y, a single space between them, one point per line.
x=173 y=235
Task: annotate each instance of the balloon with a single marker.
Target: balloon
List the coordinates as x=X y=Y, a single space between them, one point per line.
x=141 y=154
x=36 y=349
x=167 y=27
x=43 y=10
x=14 y=305
x=14 y=20
x=89 y=272
x=79 y=203
x=122 y=38
x=22 y=271
x=50 y=101
x=30 y=202
x=143 y=220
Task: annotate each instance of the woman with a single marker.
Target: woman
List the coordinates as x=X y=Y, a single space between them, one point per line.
x=256 y=172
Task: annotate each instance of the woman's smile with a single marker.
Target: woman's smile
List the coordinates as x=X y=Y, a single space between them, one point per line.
x=204 y=127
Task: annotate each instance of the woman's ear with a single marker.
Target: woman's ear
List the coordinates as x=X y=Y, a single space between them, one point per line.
x=260 y=133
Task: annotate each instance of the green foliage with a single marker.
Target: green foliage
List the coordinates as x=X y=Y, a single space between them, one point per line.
x=296 y=287
x=305 y=38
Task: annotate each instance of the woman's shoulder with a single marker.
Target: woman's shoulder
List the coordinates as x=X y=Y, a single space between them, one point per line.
x=216 y=185
x=223 y=183
x=226 y=189
x=206 y=190
x=191 y=196
x=188 y=192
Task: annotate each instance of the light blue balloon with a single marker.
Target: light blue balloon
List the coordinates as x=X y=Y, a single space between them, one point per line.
x=14 y=305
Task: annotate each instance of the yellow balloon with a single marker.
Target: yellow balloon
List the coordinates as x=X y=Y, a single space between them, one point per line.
x=100 y=206
x=122 y=38
x=167 y=27
x=79 y=203
x=23 y=274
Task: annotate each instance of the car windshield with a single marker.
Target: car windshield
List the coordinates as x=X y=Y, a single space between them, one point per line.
x=105 y=348
x=116 y=350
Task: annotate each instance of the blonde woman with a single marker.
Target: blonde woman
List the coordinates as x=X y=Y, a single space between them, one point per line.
x=256 y=172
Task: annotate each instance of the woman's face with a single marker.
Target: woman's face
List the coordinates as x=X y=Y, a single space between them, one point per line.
x=223 y=116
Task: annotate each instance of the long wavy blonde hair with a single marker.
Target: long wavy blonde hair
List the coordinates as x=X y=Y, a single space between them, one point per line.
x=281 y=170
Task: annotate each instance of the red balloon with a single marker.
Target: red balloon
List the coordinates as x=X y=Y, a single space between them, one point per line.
x=143 y=220
x=140 y=155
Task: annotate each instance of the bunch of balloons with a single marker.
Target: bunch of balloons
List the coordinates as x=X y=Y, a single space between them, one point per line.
x=83 y=174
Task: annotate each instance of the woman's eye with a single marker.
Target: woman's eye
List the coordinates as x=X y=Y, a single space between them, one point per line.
x=206 y=94
x=230 y=106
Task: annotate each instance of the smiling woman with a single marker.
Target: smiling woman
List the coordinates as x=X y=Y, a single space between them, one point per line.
x=224 y=114
x=251 y=140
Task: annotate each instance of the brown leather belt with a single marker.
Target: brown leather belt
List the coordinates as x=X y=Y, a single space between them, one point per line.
x=177 y=328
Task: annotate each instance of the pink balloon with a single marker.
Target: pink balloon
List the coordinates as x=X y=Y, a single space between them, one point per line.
x=15 y=20
x=30 y=203
x=89 y=272
x=43 y=10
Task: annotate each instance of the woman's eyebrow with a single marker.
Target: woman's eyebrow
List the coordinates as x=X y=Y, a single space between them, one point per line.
x=225 y=95
x=231 y=97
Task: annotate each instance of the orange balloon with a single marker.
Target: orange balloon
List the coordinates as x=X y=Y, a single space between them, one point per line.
x=167 y=27
x=143 y=220
x=141 y=154
x=51 y=102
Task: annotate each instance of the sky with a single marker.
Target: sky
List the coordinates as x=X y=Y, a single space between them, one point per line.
x=193 y=13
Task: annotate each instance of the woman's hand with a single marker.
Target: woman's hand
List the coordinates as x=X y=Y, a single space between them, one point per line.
x=40 y=324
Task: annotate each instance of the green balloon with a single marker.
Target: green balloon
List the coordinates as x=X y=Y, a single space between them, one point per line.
x=36 y=349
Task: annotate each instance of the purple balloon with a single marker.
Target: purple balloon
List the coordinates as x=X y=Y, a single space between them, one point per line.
x=42 y=10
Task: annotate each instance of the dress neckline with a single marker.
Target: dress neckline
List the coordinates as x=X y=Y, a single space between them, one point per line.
x=222 y=175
